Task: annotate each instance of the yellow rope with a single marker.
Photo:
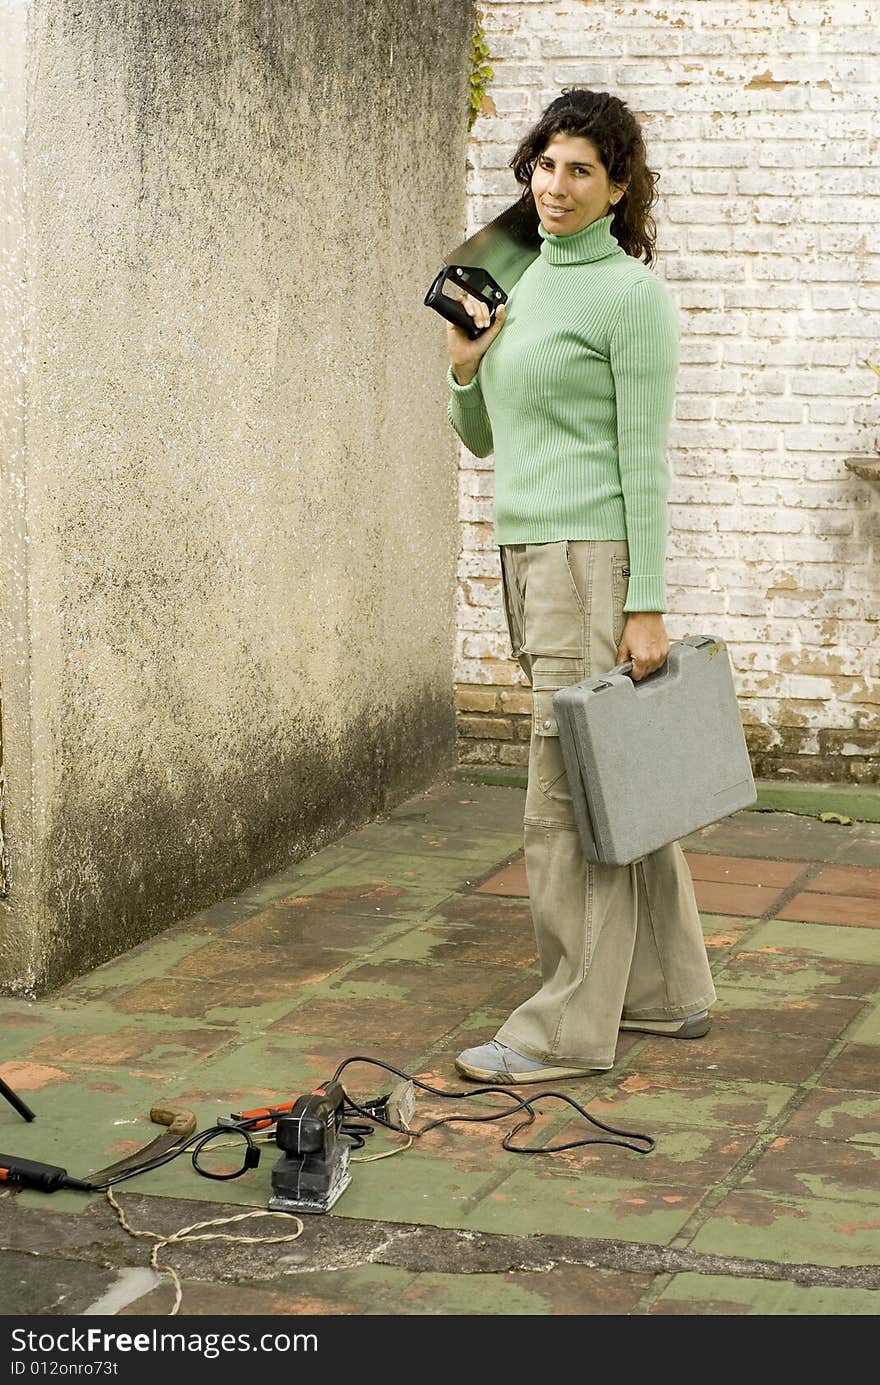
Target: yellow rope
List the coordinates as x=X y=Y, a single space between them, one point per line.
x=386 y=1153
x=187 y=1233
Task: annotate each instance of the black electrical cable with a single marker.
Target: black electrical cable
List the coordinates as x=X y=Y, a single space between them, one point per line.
x=357 y=1132
x=196 y=1143
x=521 y=1104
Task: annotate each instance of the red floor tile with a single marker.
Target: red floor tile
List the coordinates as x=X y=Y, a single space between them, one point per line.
x=510 y=880
x=714 y=895
x=743 y=870
x=850 y=911
x=746 y=901
x=848 y=880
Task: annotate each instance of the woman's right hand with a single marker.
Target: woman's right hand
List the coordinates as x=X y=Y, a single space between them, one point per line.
x=464 y=354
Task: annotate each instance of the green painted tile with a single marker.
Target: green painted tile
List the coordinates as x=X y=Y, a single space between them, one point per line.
x=490 y=1295
x=329 y=858
x=759 y=1226
x=819 y=939
x=215 y=1003
x=854 y=1069
x=421 y=839
x=835 y=1170
x=87 y=1121
x=465 y=984
x=367 y=1289
x=645 y=1101
x=250 y=1073
x=733 y=1052
x=295 y=927
x=841 y=1115
x=704 y=1294
x=415 y=1186
x=468 y=807
x=389 y=1290
x=376 y=1020
x=798 y=973
x=825 y=1015
x=416 y=944
x=22 y=1030
x=151 y=958
x=683 y=1156
x=862 y=847
x=95 y=1039
x=866 y=1030
x=721 y=932
x=454 y=944
x=619 y=1209
x=389 y=885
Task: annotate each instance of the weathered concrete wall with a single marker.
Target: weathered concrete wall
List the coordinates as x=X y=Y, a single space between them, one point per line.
x=230 y=518
x=762 y=121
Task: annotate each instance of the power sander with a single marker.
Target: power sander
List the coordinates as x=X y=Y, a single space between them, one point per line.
x=313 y=1172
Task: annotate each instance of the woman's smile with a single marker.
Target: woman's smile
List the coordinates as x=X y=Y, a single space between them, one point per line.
x=569 y=166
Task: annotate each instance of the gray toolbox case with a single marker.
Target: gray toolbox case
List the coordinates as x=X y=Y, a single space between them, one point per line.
x=649 y=762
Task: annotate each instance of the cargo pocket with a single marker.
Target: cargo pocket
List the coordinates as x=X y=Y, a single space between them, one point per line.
x=554 y=615
x=549 y=764
x=512 y=607
x=620 y=571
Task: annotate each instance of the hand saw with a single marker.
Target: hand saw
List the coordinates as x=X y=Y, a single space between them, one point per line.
x=487 y=265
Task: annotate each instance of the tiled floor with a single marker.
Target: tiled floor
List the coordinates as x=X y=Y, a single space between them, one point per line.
x=748 y=888
x=405 y=942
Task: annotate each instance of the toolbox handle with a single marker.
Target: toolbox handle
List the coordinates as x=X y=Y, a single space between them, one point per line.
x=670 y=667
x=660 y=672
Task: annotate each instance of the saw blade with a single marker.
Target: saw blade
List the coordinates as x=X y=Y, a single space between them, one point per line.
x=505 y=246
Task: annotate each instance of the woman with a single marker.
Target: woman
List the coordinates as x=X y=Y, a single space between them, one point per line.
x=572 y=389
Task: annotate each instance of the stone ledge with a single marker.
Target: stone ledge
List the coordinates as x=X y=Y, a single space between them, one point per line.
x=859 y=802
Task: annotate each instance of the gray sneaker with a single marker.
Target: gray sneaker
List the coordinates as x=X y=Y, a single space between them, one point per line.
x=495 y=1062
x=691 y=1027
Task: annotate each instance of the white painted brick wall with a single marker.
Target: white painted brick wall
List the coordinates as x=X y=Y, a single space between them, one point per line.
x=763 y=121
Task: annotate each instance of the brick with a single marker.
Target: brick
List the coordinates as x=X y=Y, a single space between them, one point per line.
x=489 y=671
x=482 y=591
x=480 y=620
x=485 y=728
x=476 y=699
x=472 y=482
x=477 y=752
x=713 y=182
x=486 y=644
x=475 y=508
x=709 y=238
x=513 y=754
x=694 y=408
x=480 y=563
x=477 y=536
x=697 y=350
x=703 y=267
x=698 y=295
x=827 y=382
x=516 y=701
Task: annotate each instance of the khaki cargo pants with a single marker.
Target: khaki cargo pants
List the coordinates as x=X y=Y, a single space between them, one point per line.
x=612 y=940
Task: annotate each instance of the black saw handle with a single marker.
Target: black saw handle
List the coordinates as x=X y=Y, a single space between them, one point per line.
x=470 y=279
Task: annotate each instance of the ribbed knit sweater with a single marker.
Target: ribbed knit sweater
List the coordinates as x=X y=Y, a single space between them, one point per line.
x=574 y=398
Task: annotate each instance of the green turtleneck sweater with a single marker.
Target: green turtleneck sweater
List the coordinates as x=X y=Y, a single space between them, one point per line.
x=574 y=398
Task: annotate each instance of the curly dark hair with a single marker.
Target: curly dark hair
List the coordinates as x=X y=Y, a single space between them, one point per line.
x=609 y=124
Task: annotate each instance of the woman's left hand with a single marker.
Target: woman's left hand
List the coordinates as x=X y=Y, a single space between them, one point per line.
x=645 y=642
